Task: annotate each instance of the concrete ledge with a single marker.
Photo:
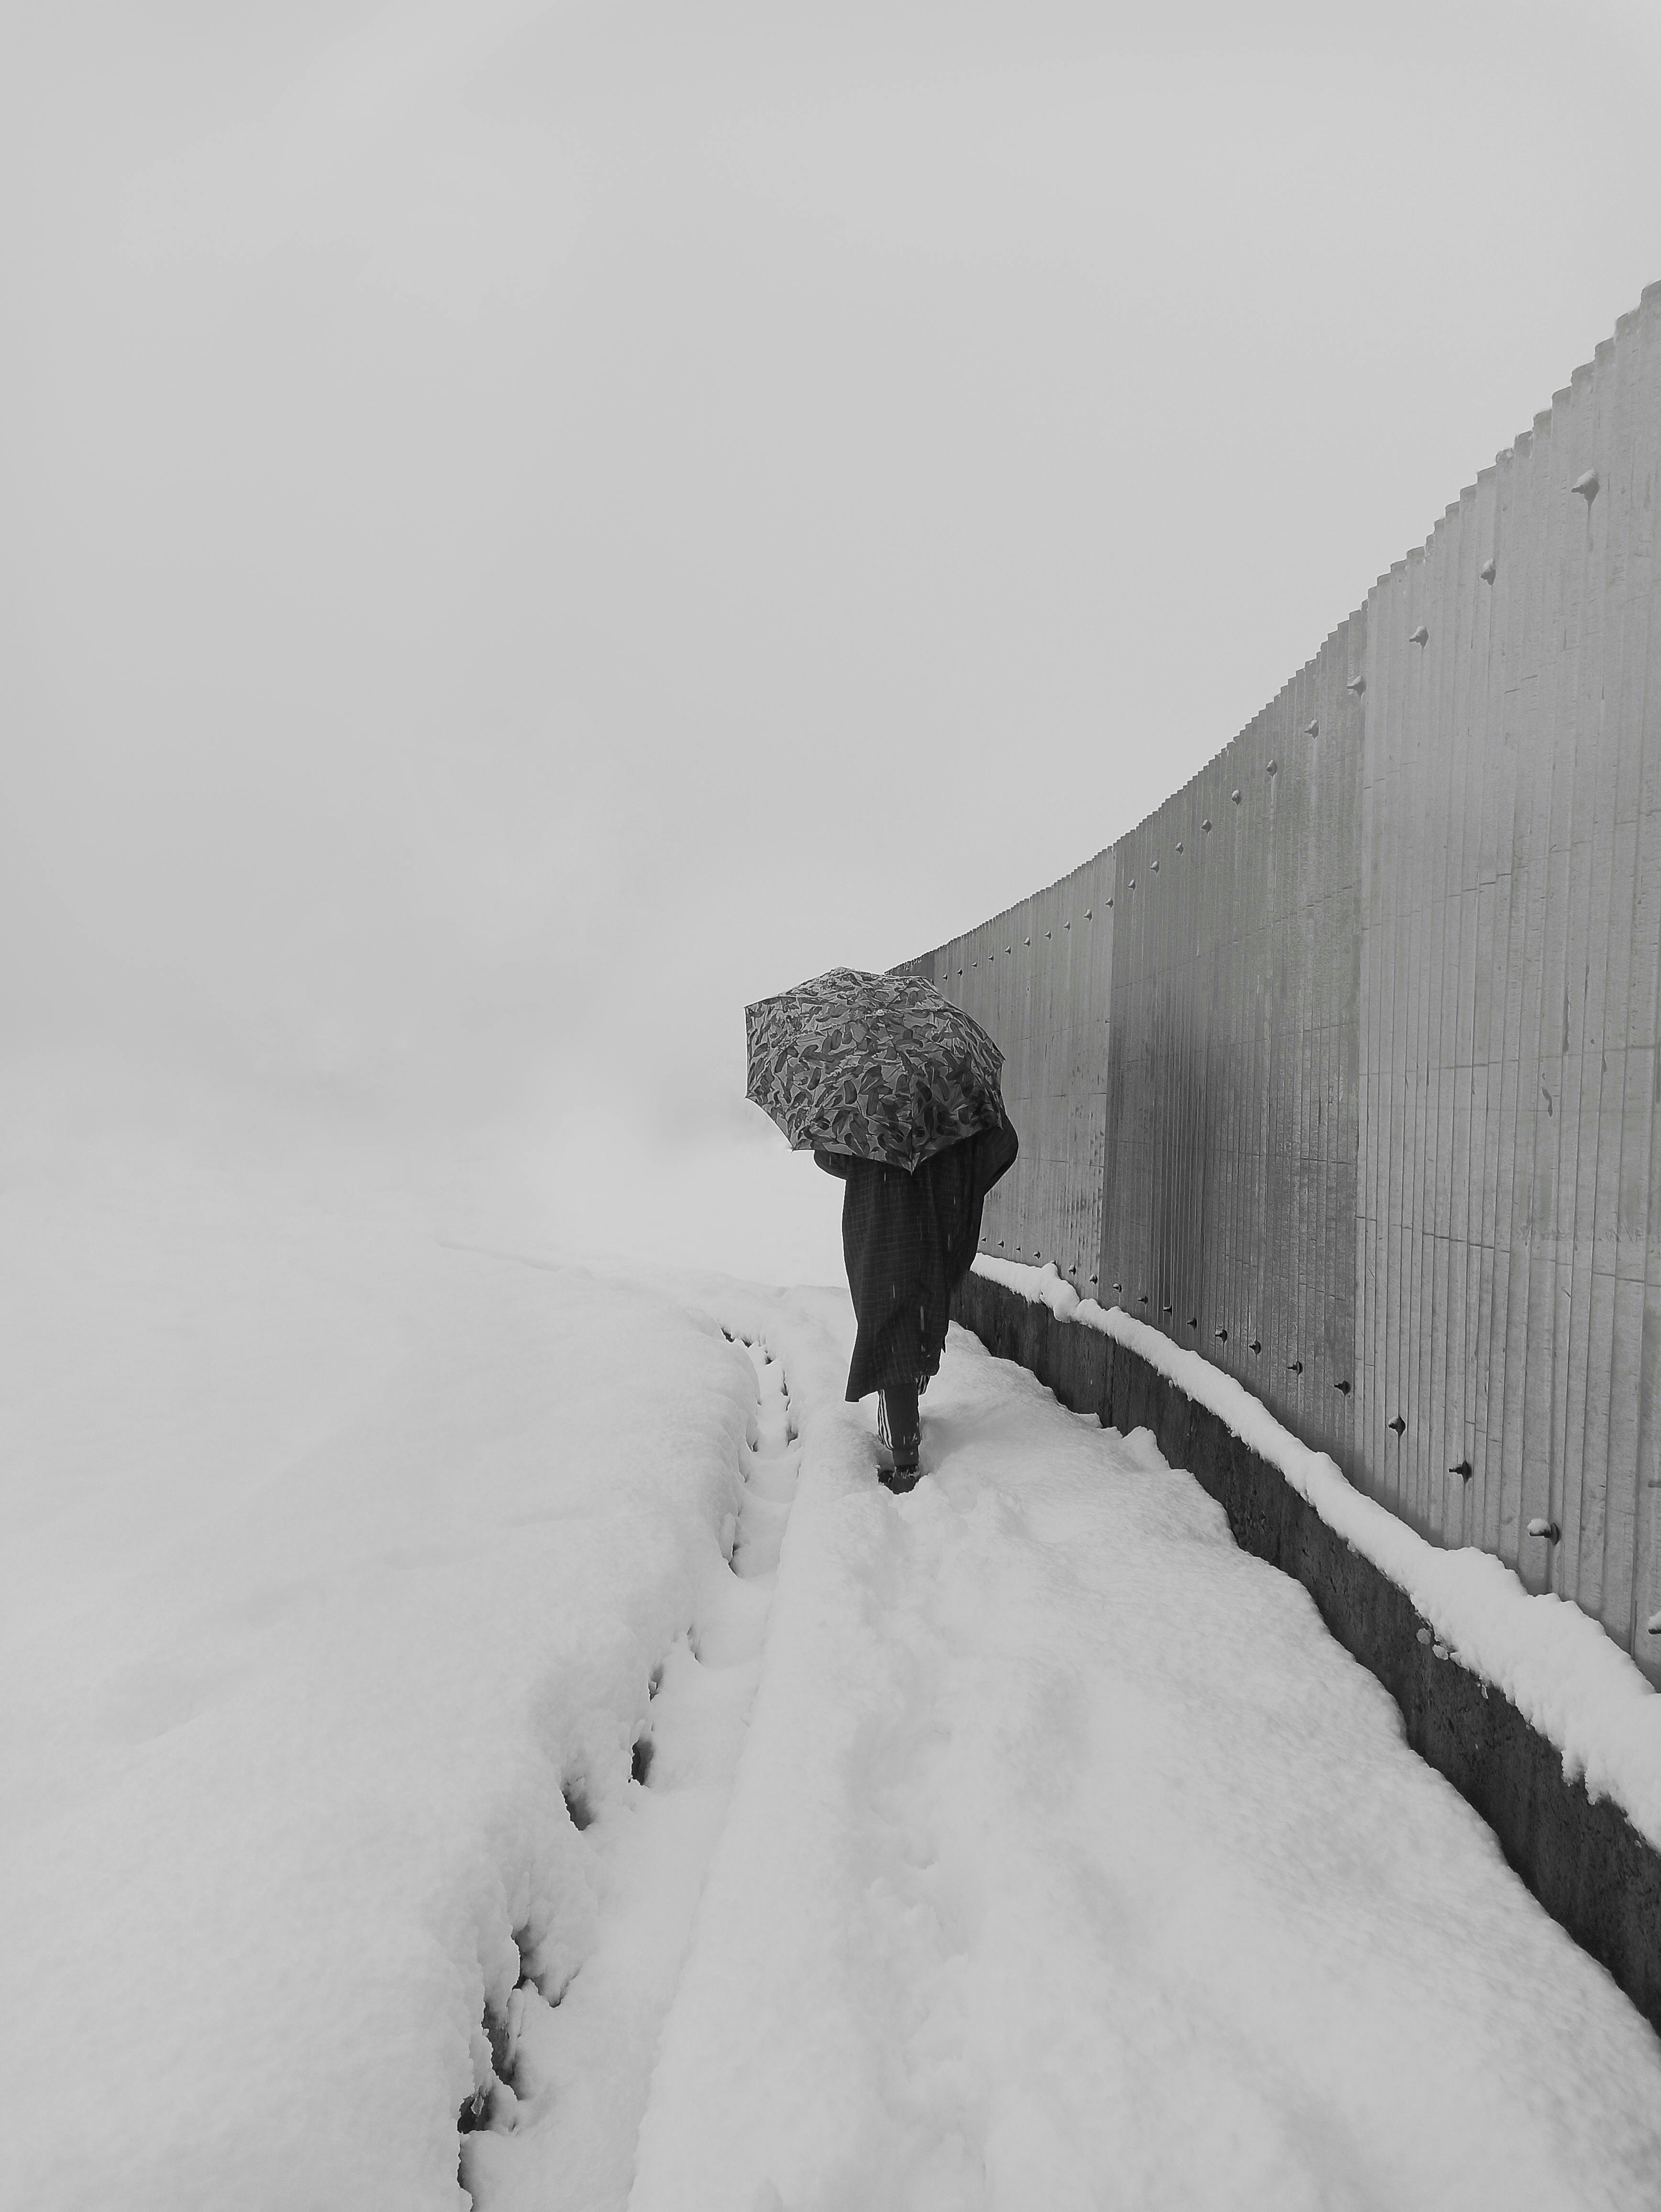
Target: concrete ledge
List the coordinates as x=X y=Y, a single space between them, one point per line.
x=1586 y=1863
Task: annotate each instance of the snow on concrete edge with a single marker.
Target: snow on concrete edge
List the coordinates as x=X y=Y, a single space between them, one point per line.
x=1556 y=1664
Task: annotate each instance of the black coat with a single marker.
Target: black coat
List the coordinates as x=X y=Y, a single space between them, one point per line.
x=908 y=1241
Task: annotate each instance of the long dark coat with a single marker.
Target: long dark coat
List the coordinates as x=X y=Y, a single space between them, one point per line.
x=908 y=1240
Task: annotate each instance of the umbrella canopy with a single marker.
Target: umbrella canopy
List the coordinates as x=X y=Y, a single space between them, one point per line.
x=882 y=1067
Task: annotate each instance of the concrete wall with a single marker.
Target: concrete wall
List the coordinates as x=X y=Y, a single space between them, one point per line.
x=1039 y=977
x=1231 y=1214
x=1365 y=1075
x=1509 y=1278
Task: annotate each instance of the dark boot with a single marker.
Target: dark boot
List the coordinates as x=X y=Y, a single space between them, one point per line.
x=899 y=1433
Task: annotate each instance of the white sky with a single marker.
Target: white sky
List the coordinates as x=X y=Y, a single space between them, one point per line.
x=526 y=526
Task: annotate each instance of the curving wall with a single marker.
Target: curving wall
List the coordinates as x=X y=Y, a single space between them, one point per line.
x=1344 y=1066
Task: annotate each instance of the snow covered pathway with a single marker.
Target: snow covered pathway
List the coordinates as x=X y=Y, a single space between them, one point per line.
x=437 y=1678
x=1071 y=1864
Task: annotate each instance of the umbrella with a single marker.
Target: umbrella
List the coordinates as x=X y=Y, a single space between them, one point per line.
x=883 y=1067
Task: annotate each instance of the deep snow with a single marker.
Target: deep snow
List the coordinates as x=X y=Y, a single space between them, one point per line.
x=335 y=1553
x=435 y=1673
x=1555 y=1662
x=1072 y=1863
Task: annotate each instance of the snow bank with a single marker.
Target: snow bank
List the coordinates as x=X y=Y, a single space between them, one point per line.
x=338 y=1561
x=1552 y=1661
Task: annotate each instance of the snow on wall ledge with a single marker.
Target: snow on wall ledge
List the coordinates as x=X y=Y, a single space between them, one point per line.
x=1552 y=1661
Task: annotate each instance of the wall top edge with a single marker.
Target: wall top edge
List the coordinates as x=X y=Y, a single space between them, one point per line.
x=1520 y=448
x=1005 y=915
x=1150 y=822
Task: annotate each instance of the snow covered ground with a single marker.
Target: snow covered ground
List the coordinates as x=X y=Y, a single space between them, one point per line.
x=438 y=1678
x=1571 y=1681
x=339 y=1558
x=1072 y=1863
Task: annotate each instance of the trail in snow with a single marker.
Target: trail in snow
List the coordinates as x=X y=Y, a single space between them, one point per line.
x=402 y=1648
x=576 y=2071
x=1071 y=1864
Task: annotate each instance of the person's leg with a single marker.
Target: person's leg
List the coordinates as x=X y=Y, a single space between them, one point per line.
x=899 y=1426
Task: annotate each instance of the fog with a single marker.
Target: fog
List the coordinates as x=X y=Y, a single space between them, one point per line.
x=527 y=527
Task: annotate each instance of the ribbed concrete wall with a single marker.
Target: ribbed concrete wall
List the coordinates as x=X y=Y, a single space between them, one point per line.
x=1039 y=977
x=1231 y=1204
x=1367 y=1073
x=1510 y=1275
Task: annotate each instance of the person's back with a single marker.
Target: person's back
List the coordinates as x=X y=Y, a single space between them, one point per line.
x=908 y=1241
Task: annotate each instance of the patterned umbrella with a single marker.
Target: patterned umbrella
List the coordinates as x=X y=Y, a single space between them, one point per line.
x=883 y=1067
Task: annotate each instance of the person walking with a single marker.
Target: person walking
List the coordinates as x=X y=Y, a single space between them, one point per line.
x=895 y=1089
x=908 y=1239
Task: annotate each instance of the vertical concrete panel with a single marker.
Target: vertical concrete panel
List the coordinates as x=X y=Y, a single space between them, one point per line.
x=1456 y=598
x=1602 y=985
x=1483 y=787
x=1454 y=1122
x=1577 y=739
x=1343 y=728
x=1430 y=769
x=1642 y=1164
x=1428 y=846
x=1533 y=1281
x=1641 y=707
x=1551 y=1221
x=1500 y=801
x=1374 y=996
x=1432 y=661
x=1407 y=1062
x=1530 y=820
x=1386 y=629
x=1506 y=595
x=1457 y=728
x=1613 y=1376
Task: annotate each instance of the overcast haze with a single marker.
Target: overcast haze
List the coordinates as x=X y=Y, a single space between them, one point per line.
x=527 y=527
